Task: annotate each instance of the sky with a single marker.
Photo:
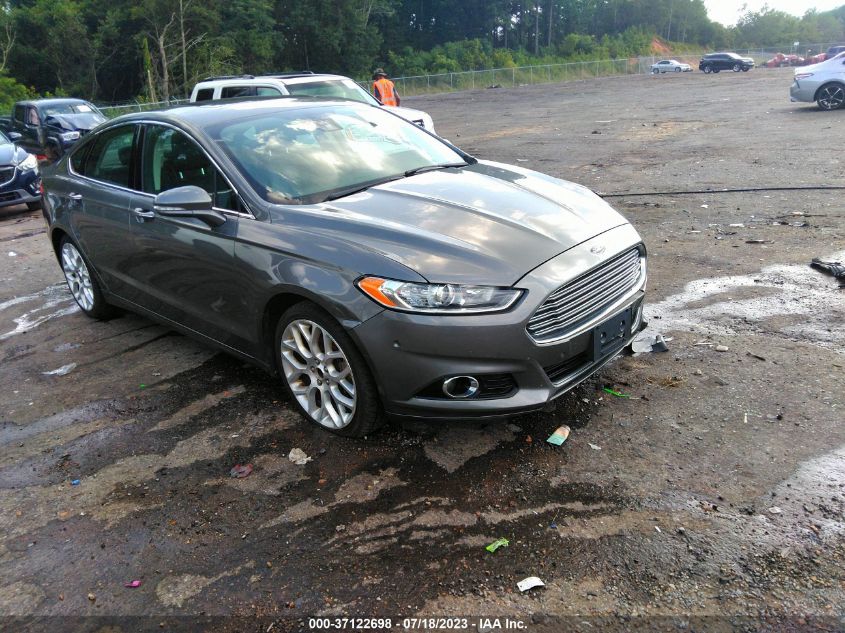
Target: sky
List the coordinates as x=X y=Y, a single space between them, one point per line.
x=728 y=11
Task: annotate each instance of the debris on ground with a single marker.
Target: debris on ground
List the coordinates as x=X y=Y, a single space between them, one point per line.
x=758 y=241
x=529 y=583
x=837 y=269
x=298 y=457
x=650 y=343
x=61 y=371
x=92 y=597
x=240 y=471
x=595 y=447
x=775 y=510
x=721 y=348
x=132 y=584
x=75 y=482
x=499 y=542
x=559 y=436
x=618 y=394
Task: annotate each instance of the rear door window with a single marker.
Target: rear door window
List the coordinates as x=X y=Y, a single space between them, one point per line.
x=267 y=91
x=233 y=92
x=110 y=158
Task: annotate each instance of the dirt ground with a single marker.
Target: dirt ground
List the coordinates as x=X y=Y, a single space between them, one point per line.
x=712 y=498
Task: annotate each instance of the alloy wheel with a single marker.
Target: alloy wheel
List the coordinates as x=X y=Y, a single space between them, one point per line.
x=831 y=97
x=77 y=276
x=318 y=373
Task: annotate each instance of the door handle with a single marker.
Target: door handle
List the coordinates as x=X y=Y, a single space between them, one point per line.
x=142 y=214
x=76 y=197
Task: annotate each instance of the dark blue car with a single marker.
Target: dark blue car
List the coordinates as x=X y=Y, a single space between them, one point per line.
x=20 y=179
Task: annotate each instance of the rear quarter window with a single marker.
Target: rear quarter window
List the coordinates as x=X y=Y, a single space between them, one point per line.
x=206 y=94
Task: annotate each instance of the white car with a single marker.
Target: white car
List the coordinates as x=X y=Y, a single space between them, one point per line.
x=306 y=84
x=670 y=66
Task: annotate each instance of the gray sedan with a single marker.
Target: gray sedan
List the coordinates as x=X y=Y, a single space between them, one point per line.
x=823 y=83
x=372 y=266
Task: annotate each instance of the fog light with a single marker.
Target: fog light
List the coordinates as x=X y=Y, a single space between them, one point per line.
x=460 y=387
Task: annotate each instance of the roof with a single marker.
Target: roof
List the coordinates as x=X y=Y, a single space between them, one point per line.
x=58 y=100
x=206 y=113
x=284 y=78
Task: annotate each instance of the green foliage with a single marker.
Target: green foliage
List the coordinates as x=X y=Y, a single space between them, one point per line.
x=118 y=50
x=10 y=92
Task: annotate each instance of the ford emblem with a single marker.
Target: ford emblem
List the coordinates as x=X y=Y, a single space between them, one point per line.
x=597 y=250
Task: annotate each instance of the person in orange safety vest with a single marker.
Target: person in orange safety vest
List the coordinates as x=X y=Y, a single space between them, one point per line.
x=383 y=88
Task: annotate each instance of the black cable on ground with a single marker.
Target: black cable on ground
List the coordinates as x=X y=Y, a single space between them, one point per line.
x=712 y=191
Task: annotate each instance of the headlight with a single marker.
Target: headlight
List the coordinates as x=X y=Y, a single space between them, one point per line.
x=28 y=163
x=69 y=136
x=803 y=76
x=437 y=298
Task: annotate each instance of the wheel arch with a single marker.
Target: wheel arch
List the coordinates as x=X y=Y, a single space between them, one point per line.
x=825 y=85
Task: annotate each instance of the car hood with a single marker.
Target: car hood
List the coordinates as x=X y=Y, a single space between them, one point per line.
x=11 y=154
x=80 y=121
x=817 y=67
x=487 y=223
x=410 y=114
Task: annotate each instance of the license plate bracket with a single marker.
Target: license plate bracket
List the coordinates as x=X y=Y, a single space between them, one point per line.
x=610 y=336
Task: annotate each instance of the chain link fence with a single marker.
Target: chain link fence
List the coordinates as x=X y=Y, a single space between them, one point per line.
x=521 y=75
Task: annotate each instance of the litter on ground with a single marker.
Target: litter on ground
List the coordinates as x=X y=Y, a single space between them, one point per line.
x=298 y=457
x=559 y=436
x=240 y=471
x=529 y=583
x=499 y=542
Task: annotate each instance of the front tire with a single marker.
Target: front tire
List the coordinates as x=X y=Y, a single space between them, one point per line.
x=831 y=96
x=716 y=70
x=82 y=284
x=736 y=68
x=34 y=206
x=678 y=69
x=707 y=70
x=325 y=374
x=53 y=152
x=655 y=71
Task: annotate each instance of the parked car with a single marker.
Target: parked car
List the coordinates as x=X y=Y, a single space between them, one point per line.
x=302 y=84
x=715 y=62
x=780 y=60
x=833 y=51
x=373 y=266
x=670 y=65
x=823 y=83
x=49 y=127
x=20 y=181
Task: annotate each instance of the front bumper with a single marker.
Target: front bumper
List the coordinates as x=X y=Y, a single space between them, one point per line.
x=410 y=353
x=804 y=91
x=24 y=187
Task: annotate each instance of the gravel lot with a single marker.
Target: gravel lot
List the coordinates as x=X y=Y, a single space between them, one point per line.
x=713 y=496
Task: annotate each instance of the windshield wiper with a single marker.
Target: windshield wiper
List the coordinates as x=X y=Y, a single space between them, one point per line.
x=342 y=193
x=425 y=168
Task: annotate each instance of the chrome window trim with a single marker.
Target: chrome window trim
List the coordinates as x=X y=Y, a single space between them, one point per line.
x=248 y=214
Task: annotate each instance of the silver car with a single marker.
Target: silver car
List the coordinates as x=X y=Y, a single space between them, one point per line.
x=670 y=66
x=823 y=83
x=373 y=267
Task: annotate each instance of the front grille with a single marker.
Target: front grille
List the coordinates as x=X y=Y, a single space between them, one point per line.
x=7 y=197
x=558 y=373
x=7 y=174
x=578 y=300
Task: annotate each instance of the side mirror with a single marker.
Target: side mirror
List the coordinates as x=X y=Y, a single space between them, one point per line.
x=188 y=202
x=14 y=136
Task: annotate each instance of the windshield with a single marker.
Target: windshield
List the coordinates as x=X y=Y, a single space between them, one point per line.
x=69 y=108
x=343 y=88
x=308 y=155
x=4 y=139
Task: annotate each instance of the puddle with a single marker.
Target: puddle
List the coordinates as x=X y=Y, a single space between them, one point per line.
x=739 y=304
x=57 y=302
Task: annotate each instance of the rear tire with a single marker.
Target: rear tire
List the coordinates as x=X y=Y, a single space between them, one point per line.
x=831 y=96
x=53 y=152
x=324 y=374
x=716 y=70
x=82 y=283
x=707 y=70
